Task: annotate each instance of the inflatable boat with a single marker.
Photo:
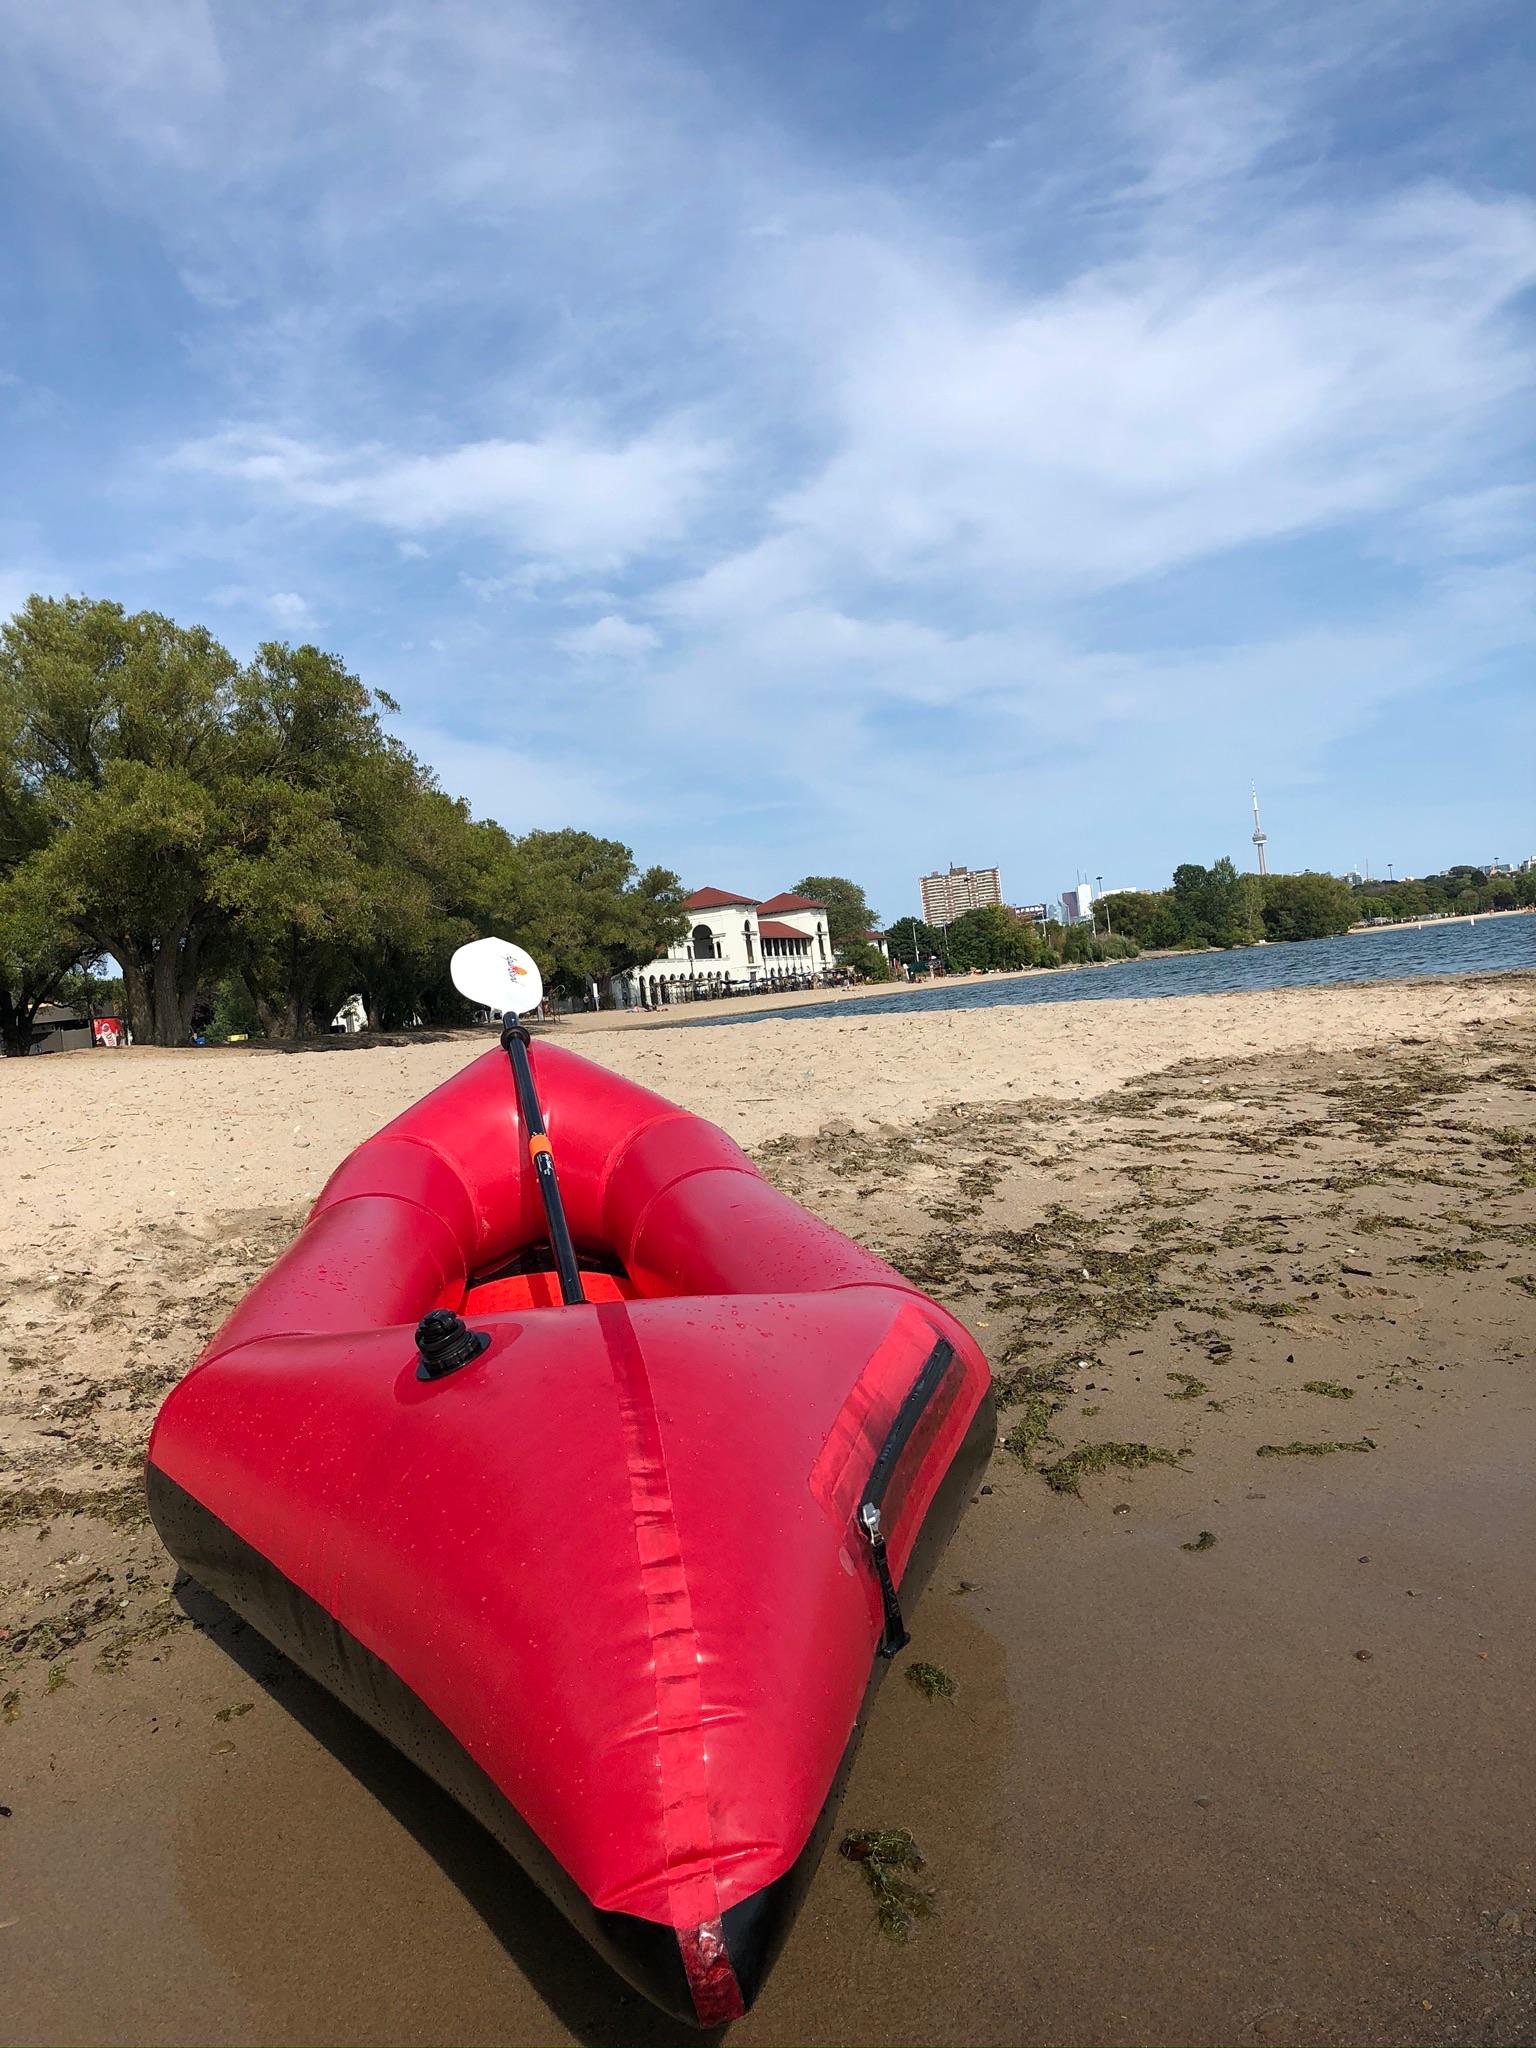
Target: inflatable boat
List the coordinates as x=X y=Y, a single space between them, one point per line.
x=620 y=1573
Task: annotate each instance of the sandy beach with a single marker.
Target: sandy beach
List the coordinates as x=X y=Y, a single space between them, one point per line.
x=1238 y=1745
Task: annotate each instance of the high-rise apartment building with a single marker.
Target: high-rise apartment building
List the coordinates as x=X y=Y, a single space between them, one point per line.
x=946 y=897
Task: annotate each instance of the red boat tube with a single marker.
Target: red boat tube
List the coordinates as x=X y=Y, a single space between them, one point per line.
x=623 y=1576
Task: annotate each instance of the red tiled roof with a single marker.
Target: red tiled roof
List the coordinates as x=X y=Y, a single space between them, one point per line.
x=772 y=929
x=715 y=899
x=790 y=902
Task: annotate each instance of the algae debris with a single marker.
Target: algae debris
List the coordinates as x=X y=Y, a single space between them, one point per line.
x=1301 y=1450
x=932 y=1681
x=887 y=1856
x=1065 y=1474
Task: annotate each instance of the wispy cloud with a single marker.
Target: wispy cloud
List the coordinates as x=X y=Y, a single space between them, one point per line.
x=565 y=494
x=608 y=638
x=1049 y=420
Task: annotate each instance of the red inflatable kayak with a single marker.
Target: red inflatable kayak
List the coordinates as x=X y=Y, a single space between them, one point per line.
x=621 y=1579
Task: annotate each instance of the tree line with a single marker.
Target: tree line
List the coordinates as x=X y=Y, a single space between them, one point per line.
x=1218 y=906
x=992 y=936
x=1459 y=892
x=248 y=839
x=1203 y=907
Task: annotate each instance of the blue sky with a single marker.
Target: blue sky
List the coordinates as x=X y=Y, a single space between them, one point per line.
x=811 y=438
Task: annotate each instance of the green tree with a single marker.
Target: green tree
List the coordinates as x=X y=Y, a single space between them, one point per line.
x=992 y=936
x=913 y=941
x=580 y=907
x=313 y=868
x=40 y=944
x=1306 y=906
x=1217 y=904
x=849 y=917
x=119 y=730
x=1148 y=916
x=866 y=959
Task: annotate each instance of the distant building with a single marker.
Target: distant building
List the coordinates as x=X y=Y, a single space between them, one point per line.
x=1037 y=913
x=948 y=896
x=1077 y=903
x=743 y=941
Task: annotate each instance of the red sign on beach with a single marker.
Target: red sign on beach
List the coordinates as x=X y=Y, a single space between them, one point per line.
x=106 y=1031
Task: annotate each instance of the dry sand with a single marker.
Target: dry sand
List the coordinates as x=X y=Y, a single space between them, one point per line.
x=1275 y=1788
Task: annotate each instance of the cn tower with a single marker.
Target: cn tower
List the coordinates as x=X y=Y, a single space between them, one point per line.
x=1258 y=832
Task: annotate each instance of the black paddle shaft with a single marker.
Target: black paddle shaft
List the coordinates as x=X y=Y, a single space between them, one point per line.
x=514 y=1039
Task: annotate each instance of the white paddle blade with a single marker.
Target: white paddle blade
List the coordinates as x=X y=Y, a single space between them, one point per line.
x=497 y=975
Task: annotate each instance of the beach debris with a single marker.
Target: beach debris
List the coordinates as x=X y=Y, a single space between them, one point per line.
x=1065 y=1474
x=932 y=1681
x=231 y=1713
x=887 y=1856
x=1364 y=1656
x=1297 y=1449
x=1186 y=1387
x=1204 y=1541
x=222 y=1749
x=10 y=1706
x=1332 y=1388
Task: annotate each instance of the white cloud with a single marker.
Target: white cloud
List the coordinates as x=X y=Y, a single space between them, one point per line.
x=587 y=502
x=290 y=608
x=1148 y=414
x=608 y=638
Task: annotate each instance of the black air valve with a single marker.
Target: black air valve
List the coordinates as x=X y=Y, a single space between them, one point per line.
x=444 y=1342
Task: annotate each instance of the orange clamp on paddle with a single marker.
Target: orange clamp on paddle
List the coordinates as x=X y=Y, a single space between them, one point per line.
x=537 y=1144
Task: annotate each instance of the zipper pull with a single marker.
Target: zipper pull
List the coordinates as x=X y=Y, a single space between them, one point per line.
x=895 y=1636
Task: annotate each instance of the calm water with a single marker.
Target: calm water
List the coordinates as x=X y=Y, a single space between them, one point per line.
x=1486 y=946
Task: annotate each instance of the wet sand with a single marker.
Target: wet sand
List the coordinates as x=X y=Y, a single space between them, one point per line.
x=1170 y=1801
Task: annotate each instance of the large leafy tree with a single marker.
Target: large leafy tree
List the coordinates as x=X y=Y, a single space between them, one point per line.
x=119 y=725
x=1217 y=904
x=581 y=908
x=1306 y=906
x=992 y=936
x=849 y=917
x=1146 y=915
x=314 y=863
x=40 y=943
x=913 y=941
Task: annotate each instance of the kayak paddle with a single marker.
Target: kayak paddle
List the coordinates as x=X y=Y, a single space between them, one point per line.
x=501 y=977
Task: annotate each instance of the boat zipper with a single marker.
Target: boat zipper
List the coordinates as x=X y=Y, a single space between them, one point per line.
x=894 y=1635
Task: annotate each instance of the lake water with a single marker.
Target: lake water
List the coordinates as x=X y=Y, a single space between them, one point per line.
x=1485 y=945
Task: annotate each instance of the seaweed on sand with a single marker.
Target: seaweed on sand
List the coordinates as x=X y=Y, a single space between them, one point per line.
x=931 y=1680
x=1187 y=1387
x=887 y=1857
x=1296 y=1449
x=1065 y=1474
